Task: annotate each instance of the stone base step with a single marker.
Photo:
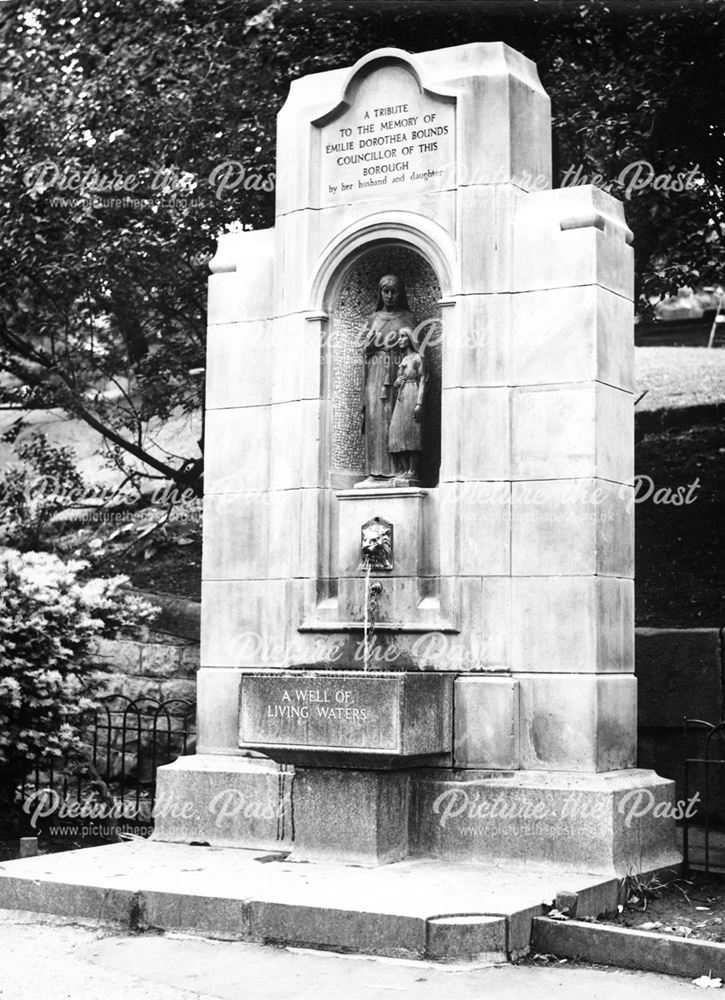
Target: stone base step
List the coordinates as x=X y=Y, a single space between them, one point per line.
x=423 y=909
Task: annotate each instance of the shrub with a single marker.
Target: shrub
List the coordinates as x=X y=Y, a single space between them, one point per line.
x=48 y=621
x=35 y=489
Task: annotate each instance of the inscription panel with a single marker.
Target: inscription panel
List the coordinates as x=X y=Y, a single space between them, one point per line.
x=345 y=712
x=393 y=137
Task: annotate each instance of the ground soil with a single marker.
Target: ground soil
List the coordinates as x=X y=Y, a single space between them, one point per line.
x=174 y=570
x=686 y=907
x=14 y=824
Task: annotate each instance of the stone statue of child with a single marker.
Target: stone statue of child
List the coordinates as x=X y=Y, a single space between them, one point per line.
x=405 y=437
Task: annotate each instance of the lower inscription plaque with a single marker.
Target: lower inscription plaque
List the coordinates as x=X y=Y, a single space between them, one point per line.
x=398 y=714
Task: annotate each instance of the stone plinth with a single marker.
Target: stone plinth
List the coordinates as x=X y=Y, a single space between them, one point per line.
x=359 y=817
x=616 y=822
x=377 y=716
x=224 y=801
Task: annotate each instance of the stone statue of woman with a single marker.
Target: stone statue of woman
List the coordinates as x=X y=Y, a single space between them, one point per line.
x=405 y=438
x=382 y=355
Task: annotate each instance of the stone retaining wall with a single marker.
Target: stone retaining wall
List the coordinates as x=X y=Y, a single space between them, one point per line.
x=157 y=666
x=160 y=663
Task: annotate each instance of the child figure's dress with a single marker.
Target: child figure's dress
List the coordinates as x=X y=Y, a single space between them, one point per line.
x=405 y=431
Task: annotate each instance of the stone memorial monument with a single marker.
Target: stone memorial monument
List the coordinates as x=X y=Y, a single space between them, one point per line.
x=417 y=634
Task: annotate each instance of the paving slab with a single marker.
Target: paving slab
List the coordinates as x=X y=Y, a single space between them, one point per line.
x=406 y=909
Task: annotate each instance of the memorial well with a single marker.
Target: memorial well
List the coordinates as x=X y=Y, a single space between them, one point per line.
x=417 y=629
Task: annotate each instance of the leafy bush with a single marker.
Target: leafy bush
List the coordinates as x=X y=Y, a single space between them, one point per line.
x=43 y=483
x=48 y=621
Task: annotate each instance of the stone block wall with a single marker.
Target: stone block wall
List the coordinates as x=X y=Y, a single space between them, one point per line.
x=161 y=662
x=156 y=666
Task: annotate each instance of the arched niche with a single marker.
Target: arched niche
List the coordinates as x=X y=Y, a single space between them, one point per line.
x=351 y=298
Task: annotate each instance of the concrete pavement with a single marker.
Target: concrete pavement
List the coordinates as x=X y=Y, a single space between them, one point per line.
x=51 y=958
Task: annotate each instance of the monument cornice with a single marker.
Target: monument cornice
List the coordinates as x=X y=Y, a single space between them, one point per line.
x=372 y=61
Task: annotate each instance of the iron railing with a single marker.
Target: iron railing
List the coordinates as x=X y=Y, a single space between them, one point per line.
x=126 y=740
x=703 y=823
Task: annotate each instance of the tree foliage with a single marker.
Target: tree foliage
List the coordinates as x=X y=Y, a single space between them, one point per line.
x=122 y=121
x=108 y=212
x=636 y=106
x=43 y=482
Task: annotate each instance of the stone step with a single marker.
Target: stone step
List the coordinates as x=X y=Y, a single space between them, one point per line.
x=422 y=909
